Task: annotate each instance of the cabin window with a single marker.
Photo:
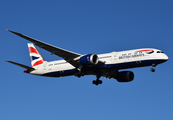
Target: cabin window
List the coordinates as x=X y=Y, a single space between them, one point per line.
x=160 y=52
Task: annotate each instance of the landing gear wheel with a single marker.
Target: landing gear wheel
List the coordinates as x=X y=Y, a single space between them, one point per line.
x=96 y=82
x=79 y=74
x=100 y=81
x=152 y=70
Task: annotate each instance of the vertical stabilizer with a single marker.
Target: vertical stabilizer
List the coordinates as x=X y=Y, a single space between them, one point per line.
x=36 y=57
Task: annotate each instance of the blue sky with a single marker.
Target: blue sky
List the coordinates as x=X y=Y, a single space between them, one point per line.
x=95 y=26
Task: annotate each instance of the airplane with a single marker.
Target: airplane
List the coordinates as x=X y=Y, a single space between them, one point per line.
x=108 y=65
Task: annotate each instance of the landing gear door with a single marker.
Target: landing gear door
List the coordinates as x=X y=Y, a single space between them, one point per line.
x=44 y=67
x=115 y=57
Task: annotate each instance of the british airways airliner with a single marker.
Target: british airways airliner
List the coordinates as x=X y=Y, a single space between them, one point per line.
x=108 y=65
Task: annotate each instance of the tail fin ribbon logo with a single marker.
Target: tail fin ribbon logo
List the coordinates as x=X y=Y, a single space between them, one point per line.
x=36 y=58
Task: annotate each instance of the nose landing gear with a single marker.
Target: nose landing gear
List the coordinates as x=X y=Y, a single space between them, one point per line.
x=153 y=66
x=152 y=70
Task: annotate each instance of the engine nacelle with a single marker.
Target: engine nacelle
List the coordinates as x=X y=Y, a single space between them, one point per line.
x=125 y=76
x=89 y=59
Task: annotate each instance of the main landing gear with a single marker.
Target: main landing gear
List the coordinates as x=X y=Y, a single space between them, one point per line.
x=97 y=81
x=152 y=69
x=79 y=74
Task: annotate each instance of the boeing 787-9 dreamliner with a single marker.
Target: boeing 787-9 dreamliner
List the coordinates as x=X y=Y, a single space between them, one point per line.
x=109 y=65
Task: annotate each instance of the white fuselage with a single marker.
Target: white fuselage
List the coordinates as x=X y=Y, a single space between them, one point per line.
x=113 y=61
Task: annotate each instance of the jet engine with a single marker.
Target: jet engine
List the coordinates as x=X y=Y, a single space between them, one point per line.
x=89 y=59
x=125 y=76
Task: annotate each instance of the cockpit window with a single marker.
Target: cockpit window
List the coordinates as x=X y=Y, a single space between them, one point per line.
x=160 y=52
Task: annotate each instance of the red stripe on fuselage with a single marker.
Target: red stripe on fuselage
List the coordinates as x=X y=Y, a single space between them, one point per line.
x=144 y=50
x=33 y=50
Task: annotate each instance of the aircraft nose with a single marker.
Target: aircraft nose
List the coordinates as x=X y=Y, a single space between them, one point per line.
x=166 y=57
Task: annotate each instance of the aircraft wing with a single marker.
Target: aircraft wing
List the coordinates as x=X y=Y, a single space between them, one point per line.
x=66 y=55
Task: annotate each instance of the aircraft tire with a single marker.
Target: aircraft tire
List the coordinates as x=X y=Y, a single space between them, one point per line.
x=95 y=82
x=100 y=81
x=152 y=70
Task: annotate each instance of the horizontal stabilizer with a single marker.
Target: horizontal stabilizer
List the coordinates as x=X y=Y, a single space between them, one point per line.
x=21 y=65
